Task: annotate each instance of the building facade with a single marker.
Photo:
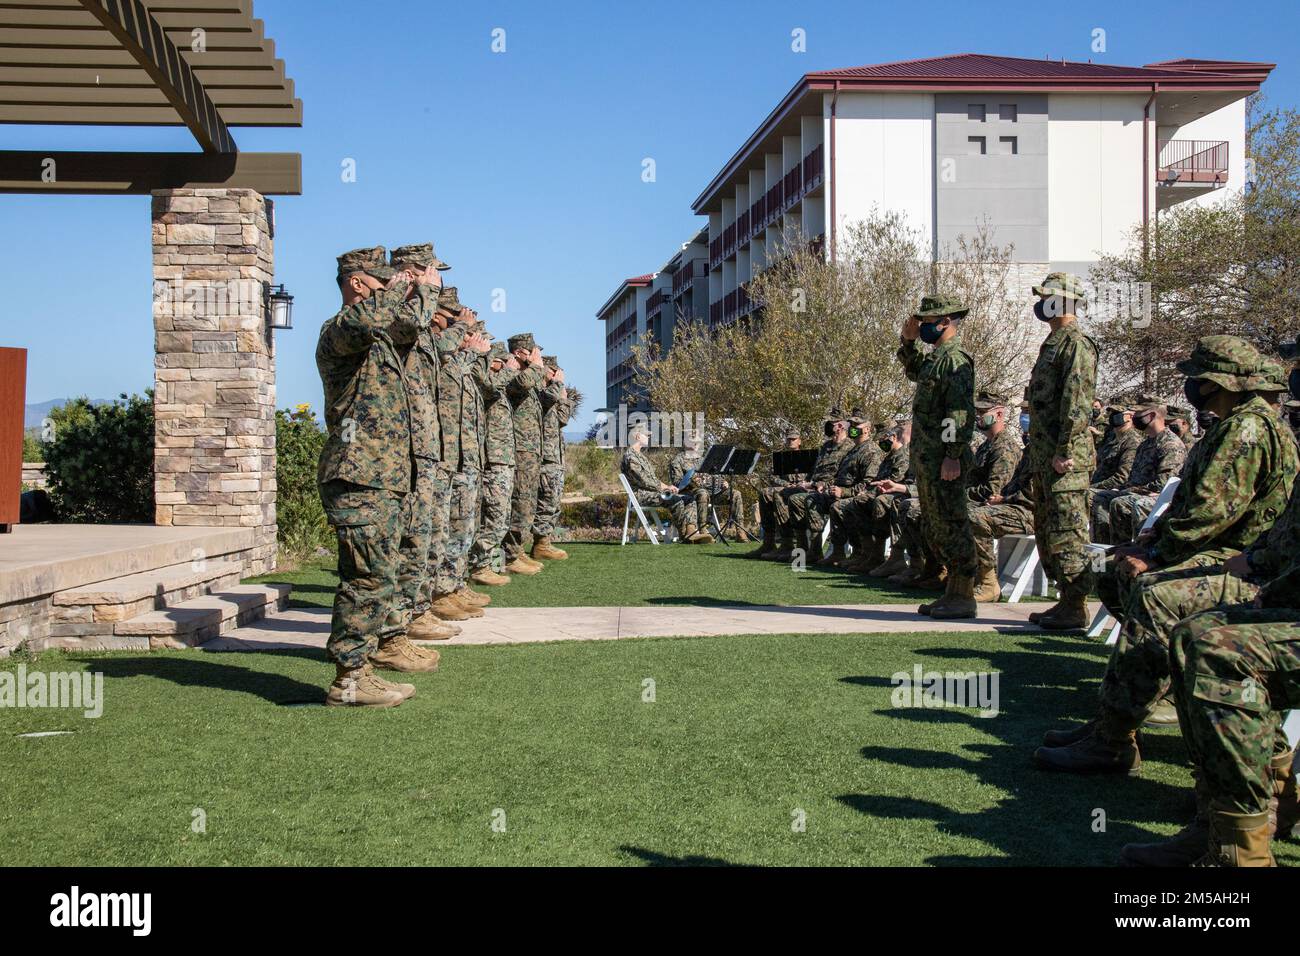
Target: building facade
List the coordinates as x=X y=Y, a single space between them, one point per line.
x=1060 y=159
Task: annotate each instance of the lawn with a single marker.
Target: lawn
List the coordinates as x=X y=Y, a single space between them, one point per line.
x=745 y=737
x=599 y=574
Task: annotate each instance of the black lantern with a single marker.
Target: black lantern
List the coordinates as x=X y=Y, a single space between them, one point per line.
x=279 y=307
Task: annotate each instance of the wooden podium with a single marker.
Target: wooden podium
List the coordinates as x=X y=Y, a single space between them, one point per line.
x=13 y=398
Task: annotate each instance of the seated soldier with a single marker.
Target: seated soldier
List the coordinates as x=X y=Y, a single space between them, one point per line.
x=866 y=516
x=1116 y=454
x=794 y=528
x=996 y=463
x=772 y=510
x=857 y=469
x=688 y=459
x=717 y=490
x=1118 y=513
x=650 y=491
x=1179 y=420
x=1239 y=483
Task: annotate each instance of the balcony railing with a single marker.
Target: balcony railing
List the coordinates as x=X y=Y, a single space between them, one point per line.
x=715 y=252
x=1193 y=161
x=654 y=303
x=812 y=169
x=686 y=275
x=715 y=313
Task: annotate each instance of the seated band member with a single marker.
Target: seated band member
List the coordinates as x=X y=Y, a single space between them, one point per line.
x=707 y=489
x=650 y=491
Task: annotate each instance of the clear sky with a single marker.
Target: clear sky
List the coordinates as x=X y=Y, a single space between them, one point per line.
x=524 y=167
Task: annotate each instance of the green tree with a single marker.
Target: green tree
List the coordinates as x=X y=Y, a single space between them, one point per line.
x=100 y=461
x=300 y=518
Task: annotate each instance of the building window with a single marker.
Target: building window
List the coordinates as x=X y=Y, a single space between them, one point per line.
x=978 y=145
x=1007 y=112
x=1007 y=145
x=975 y=112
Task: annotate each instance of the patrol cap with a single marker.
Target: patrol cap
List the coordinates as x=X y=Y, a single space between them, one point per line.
x=449 y=300
x=372 y=261
x=1234 y=364
x=1065 y=284
x=550 y=361
x=521 y=340
x=835 y=414
x=1178 y=411
x=857 y=417
x=420 y=255
x=990 y=398
x=792 y=433
x=497 y=352
x=938 y=306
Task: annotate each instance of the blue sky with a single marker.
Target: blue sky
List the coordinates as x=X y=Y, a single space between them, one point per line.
x=524 y=167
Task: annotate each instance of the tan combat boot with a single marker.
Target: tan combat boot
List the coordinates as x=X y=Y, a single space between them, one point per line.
x=1287 y=813
x=544 y=550
x=987 y=588
x=1164 y=714
x=896 y=563
x=1099 y=752
x=958 y=599
x=1071 y=614
x=524 y=557
x=399 y=654
x=700 y=537
x=489 y=577
x=446 y=608
x=470 y=609
x=1183 y=848
x=427 y=627
x=468 y=596
x=520 y=566
x=768 y=545
x=406 y=690
x=784 y=551
x=357 y=687
x=1238 y=839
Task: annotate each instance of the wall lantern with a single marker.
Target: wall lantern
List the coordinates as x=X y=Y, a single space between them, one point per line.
x=279 y=307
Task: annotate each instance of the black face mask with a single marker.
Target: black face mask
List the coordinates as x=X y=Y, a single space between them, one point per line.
x=1141 y=423
x=1192 y=391
x=1206 y=420
x=1293 y=383
x=829 y=429
x=1117 y=420
x=886 y=445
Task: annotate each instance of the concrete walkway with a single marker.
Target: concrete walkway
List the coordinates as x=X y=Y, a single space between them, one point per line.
x=301 y=627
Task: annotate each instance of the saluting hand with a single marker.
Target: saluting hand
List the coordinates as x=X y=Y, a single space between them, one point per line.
x=911 y=328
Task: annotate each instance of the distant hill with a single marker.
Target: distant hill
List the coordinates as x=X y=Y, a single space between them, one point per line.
x=33 y=415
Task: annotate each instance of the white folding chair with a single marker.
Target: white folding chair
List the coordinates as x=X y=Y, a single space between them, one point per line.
x=1291 y=727
x=1019 y=568
x=634 y=505
x=1103 y=619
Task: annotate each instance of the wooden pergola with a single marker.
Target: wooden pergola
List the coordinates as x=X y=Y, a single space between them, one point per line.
x=203 y=64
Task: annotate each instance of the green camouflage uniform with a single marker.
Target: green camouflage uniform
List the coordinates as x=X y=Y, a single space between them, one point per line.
x=1115 y=459
x=1118 y=513
x=824 y=471
x=645 y=485
x=1240 y=483
x=524 y=393
x=558 y=407
x=1015 y=515
x=498 y=466
x=869 y=513
x=1236 y=671
x=461 y=409
x=1061 y=389
x=773 y=510
x=854 y=476
x=943 y=419
x=696 y=491
x=367 y=465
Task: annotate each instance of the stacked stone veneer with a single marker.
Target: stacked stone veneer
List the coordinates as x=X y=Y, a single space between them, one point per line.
x=214 y=381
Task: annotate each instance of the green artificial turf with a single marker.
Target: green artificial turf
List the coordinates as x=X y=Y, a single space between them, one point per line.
x=745 y=733
x=597 y=574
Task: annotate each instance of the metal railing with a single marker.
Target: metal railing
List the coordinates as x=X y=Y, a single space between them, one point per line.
x=1193 y=160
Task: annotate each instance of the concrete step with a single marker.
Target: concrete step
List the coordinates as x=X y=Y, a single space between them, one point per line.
x=119 y=599
x=203 y=618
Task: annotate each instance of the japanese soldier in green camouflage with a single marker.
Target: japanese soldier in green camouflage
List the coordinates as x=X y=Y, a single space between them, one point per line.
x=1238 y=485
x=943 y=420
x=367 y=468
x=1061 y=452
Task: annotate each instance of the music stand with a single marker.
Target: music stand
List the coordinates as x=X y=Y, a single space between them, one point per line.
x=728 y=460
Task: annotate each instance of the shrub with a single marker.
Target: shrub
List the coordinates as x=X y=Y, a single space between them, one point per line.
x=100 y=462
x=33 y=447
x=299 y=439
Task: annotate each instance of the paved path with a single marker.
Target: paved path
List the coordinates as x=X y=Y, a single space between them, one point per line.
x=308 y=627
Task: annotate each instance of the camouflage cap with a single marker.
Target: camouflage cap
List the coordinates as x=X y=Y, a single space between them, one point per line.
x=835 y=414
x=989 y=398
x=937 y=306
x=497 y=352
x=791 y=434
x=420 y=255
x=550 y=361
x=1234 y=364
x=1180 y=412
x=449 y=299
x=857 y=417
x=521 y=340
x=372 y=261
x=1065 y=284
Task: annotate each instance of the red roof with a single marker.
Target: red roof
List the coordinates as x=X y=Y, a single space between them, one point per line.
x=967 y=71
x=636 y=282
x=639 y=280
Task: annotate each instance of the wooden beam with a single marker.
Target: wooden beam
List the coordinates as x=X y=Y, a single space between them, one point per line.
x=108 y=95
x=25 y=171
x=130 y=22
x=132 y=77
x=109 y=115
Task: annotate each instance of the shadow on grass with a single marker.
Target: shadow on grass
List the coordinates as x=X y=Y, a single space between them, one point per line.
x=651 y=858
x=195 y=671
x=1039 y=818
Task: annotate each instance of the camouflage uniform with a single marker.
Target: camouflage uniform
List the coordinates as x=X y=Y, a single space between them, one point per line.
x=645 y=485
x=997 y=463
x=1240 y=483
x=943 y=419
x=524 y=393
x=697 y=490
x=869 y=515
x=854 y=476
x=1061 y=389
x=558 y=407
x=1118 y=513
x=824 y=470
x=1015 y=515
x=1115 y=459
x=367 y=465
x=773 y=512
x=498 y=465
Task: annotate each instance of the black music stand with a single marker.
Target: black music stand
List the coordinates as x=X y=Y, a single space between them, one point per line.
x=727 y=460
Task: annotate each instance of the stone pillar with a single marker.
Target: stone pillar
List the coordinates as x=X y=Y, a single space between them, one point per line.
x=214 y=379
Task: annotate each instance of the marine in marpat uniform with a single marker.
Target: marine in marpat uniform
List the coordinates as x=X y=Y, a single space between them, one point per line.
x=996 y=463
x=367 y=468
x=1061 y=453
x=485 y=560
x=653 y=493
x=524 y=393
x=557 y=409
x=773 y=512
x=943 y=420
x=829 y=456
